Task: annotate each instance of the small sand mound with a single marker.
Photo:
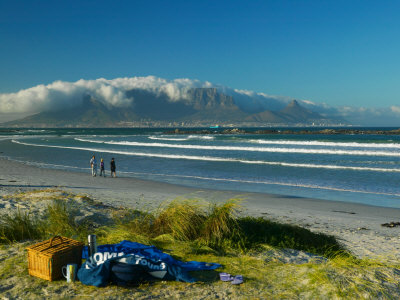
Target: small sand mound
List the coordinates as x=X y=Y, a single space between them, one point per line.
x=36 y=203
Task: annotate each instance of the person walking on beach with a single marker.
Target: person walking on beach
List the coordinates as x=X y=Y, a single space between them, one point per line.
x=112 y=167
x=102 y=168
x=93 y=165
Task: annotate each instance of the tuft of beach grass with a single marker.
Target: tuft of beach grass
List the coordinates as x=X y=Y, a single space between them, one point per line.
x=19 y=226
x=181 y=218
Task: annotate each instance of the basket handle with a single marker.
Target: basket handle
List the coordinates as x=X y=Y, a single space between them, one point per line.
x=56 y=237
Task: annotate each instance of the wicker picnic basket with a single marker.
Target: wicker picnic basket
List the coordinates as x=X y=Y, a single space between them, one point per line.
x=46 y=259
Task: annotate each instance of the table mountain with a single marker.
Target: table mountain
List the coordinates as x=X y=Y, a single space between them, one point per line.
x=198 y=107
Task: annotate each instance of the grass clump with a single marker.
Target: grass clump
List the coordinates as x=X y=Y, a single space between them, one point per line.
x=206 y=228
x=129 y=224
x=60 y=220
x=221 y=221
x=135 y=221
x=221 y=229
x=19 y=226
x=218 y=228
x=182 y=219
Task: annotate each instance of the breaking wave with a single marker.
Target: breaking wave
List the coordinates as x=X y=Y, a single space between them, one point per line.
x=241 y=148
x=167 y=139
x=216 y=159
x=201 y=137
x=329 y=144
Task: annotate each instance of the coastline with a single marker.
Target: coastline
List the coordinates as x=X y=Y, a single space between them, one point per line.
x=357 y=226
x=328 y=130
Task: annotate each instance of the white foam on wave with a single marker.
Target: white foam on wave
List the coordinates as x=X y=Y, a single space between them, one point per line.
x=39 y=130
x=5 y=137
x=201 y=137
x=329 y=144
x=216 y=159
x=17 y=136
x=252 y=149
x=190 y=137
x=167 y=139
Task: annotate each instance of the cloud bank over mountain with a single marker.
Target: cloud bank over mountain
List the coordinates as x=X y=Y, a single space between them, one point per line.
x=61 y=94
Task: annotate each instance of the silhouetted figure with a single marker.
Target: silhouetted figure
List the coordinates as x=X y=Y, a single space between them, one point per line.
x=112 y=167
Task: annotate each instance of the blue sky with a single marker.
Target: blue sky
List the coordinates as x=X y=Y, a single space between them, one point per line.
x=337 y=52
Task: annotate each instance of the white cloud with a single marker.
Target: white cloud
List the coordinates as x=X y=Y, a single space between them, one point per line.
x=395 y=109
x=308 y=102
x=61 y=94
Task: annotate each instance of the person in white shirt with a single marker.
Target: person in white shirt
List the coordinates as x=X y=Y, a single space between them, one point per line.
x=93 y=165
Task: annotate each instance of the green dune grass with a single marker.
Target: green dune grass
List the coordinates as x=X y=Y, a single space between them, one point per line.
x=194 y=230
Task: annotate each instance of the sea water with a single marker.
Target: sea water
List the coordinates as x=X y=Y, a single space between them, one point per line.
x=352 y=168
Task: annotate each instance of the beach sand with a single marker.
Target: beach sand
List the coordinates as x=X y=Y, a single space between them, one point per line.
x=357 y=226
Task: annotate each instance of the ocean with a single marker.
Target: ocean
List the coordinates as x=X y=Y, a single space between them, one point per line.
x=351 y=168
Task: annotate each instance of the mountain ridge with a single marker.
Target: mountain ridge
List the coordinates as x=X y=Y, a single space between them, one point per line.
x=201 y=106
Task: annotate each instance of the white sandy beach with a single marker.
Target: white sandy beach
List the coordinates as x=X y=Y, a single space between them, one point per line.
x=357 y=226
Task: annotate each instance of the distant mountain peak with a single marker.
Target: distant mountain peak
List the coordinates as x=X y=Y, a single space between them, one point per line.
x=293 y=103
x=297 y=113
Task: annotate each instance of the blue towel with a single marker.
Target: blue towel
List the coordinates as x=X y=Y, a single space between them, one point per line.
x=130 y=263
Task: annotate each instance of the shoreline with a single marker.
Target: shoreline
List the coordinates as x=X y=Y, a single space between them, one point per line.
x=357 y=226
x=328 y=130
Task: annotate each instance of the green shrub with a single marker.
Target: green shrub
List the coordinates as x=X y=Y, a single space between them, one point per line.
x=217 y=228
x=19 y=226
x=60 y=220
x=181 y=218
x=221 y=230
x=135 y=221
x=261 y=231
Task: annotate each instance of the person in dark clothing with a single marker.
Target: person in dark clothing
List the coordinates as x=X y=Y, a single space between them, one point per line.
x=112 y=167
